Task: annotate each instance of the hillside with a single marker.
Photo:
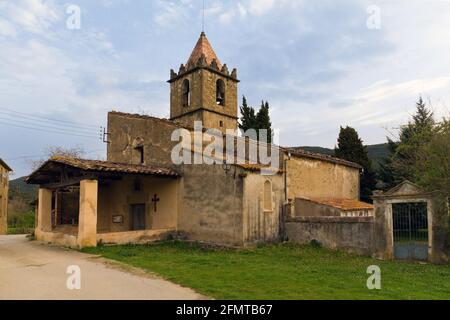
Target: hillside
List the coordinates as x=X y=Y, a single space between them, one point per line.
x=376 y=152
x=18 y=188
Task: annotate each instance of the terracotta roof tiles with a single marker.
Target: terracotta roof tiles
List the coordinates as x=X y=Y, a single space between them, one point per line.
x=203 y=47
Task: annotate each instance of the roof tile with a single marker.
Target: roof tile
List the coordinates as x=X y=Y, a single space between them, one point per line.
x=203 y=46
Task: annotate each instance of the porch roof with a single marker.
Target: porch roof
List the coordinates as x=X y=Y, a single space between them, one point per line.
x=53 y=166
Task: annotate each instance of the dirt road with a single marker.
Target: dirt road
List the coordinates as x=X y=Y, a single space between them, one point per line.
x=29 y=270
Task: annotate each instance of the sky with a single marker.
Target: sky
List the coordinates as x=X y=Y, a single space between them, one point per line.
x=321 y=65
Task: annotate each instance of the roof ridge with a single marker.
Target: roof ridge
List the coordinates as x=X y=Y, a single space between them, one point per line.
x=299 y=151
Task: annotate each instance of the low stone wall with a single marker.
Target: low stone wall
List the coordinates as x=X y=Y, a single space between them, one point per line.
x=67 y=237
x=135 y=237
x=352 y=234
x=57 y=238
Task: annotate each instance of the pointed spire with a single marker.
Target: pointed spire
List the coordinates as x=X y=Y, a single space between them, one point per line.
x=203 y=47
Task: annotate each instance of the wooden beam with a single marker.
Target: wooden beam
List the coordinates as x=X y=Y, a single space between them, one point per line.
x=68 y=183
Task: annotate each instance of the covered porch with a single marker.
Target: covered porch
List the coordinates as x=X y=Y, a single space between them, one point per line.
x=85 y=202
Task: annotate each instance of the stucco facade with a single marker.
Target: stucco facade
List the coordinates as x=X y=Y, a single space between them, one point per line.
x=309 y=177
x=4 y=190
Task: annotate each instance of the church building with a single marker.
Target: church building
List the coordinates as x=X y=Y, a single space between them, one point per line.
x=139 y=194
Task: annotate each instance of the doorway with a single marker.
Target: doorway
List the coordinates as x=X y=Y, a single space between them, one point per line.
x=138 y=217
x=410 y=226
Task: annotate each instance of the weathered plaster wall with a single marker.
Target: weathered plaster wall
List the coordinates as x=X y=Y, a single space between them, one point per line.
x=44 y=222
x=57 y=238
x=212 y=204
x=4 y=188
x=116 y=198
x=353 y=234
x=128 y=131
x=260 y=224
x=140 y=237
x=440 y=230
x=383 y=228
x=87 y=225
x=305 y=208
x=312 y=178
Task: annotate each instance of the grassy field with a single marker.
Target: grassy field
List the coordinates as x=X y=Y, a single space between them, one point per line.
x=282 y=272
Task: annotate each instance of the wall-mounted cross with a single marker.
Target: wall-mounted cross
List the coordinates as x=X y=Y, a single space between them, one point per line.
x=155 y=201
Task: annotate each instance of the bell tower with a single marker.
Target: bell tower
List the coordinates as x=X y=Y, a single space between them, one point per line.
x=204 y=90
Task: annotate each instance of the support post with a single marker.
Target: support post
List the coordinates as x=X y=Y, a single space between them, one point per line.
x=87 y=224
x=44 y=223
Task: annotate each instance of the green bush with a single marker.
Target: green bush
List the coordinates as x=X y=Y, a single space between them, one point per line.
x=21 y=220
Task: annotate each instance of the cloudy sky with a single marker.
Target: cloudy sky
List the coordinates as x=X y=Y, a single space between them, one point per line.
x=321 y=64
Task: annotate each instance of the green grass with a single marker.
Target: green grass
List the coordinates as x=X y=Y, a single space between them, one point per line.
x=17 y=231
x=21 y=222
x=282 y=272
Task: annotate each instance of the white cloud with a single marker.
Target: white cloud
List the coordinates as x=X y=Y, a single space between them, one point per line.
x=242 y=10
x=171 y=13
x=260 y=7
x=33 y=16
x=7 y=29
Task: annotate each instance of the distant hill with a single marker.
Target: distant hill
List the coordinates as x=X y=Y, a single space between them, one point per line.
x=376 y=152
x=20 y=189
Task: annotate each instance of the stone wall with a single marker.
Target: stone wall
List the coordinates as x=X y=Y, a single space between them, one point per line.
x=352 y=234
x=203 y=106
x=313 y=178
x=126 y=132
x=4 y=187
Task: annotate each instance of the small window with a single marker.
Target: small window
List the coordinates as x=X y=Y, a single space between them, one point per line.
x=140 y=154
x=137 y=187
x=268 y=196
x=221 y=124
x=220 y=93
x=186 y=97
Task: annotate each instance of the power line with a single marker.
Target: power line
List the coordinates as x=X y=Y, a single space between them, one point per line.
x=50 y=119
x=64 y=125
x=49 y=131
x=53 y=127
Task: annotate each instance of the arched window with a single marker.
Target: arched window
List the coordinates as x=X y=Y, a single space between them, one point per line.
x=220 y=92
x=186 y=97
x=268 y=196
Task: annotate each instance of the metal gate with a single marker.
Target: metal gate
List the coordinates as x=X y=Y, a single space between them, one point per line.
x=410 y=222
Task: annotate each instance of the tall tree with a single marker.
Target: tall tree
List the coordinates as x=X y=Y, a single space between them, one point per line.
x=386 y=175
x=263 y=120
x=432 y=170
x=350 y=147
x=248 y=116
x=404 y=157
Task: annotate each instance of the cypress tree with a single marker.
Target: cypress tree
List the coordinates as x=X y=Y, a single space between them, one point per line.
x=263 y=120
x=350 y=147
x=248 y=117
